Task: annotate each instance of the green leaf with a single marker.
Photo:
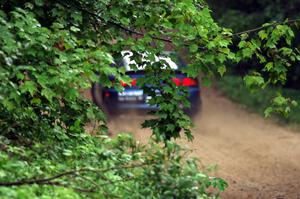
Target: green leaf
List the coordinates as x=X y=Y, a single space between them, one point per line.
x=268 y=111
x=294 y=103
x=247 y=52
x=269 y=66
x=280 y=100
x=74 y=29
x=242 y=44
x=48 y=93
x=253 y=80
x=67 y=152
x=262 y=34
x=72 y=94
x=221 y=70
x=39 y=2
x=28 y=86
x=224 y=43
x=20 y=76
x=244 y=36
x=90 y=114
x=36 y=101
x=193 y=48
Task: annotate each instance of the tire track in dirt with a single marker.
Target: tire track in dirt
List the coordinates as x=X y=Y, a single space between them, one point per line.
x=258 y=158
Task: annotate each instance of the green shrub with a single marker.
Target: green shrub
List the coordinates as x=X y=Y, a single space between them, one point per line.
x=258 y=100
x=101 y=167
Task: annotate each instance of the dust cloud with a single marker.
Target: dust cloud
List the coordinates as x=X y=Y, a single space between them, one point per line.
x=258 y=158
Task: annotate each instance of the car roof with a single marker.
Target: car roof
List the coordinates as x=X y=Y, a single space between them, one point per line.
x=128 y=60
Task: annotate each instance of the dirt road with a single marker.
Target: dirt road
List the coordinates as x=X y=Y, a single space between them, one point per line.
x=258 y=158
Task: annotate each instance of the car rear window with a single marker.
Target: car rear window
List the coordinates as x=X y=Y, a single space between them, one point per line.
x=127 y=61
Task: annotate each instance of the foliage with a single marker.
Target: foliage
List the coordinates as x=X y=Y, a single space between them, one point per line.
x=45 y=151
x=51 y=50
x=171 y=118
x=40 y=83
x=101 y=167
x=259 y=100
x=254 y=13
x=228 y=13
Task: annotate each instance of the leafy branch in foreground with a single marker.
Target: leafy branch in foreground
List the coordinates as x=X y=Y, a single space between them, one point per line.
x=275 y=23
x=103 y=168
x=76 y=172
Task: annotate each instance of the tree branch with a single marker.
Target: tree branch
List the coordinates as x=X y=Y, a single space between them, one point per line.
x=71 y=172
x=66 y=186
x=118 y=25
x=262 y=27
x=132 y=31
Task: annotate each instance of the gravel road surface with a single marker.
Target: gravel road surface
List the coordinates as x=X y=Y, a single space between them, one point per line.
x=258 y=158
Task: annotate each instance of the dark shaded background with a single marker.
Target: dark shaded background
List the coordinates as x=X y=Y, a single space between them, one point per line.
x=242 y=15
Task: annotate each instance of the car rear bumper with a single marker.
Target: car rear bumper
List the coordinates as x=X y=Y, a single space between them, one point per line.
x=115 y=103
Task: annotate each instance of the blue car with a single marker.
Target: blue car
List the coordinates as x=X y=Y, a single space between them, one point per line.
x=134 y=98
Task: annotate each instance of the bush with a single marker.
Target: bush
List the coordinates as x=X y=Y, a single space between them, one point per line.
x=101 y=167
x=259 y=100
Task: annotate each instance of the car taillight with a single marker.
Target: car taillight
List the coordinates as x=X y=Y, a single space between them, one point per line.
x=123 y=84
x=106 y=94
x=133 y=83
x=184 y=82
x=189 y=82
x=176 y=81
